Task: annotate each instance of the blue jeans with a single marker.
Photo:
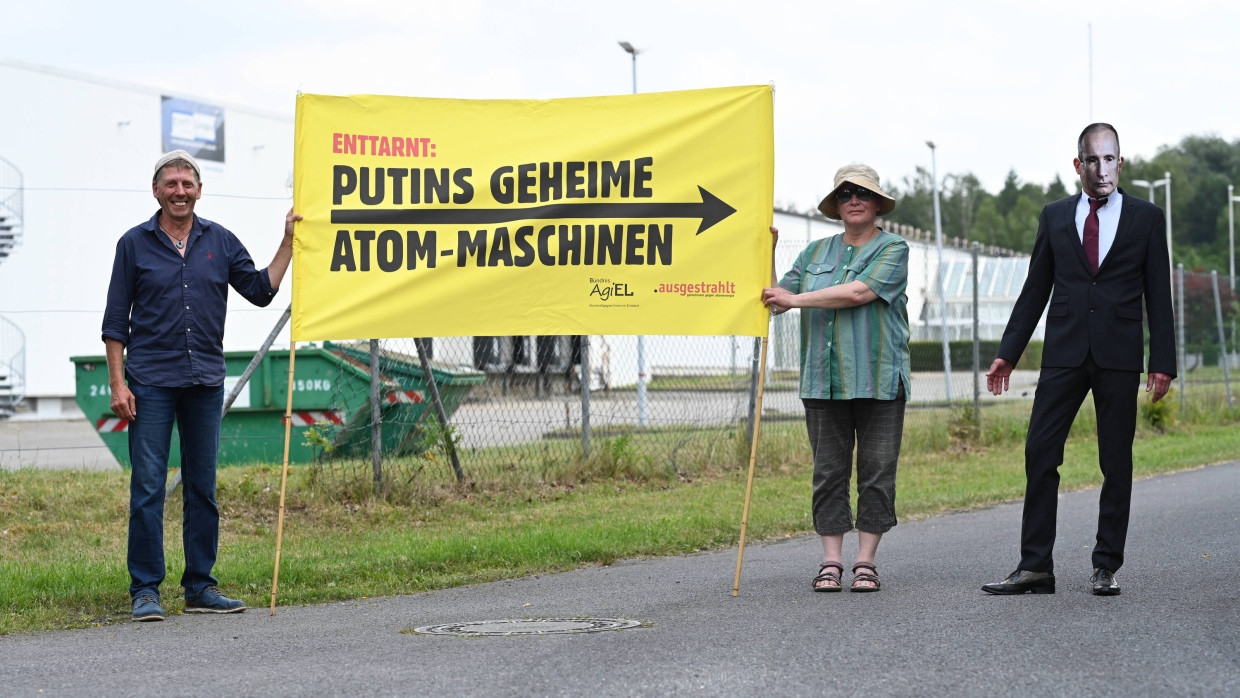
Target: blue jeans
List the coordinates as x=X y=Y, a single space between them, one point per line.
x=197 y=412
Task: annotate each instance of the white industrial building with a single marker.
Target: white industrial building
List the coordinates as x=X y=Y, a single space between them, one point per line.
x=77 y=155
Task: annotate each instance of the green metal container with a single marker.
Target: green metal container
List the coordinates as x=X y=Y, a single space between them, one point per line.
x=331 y=394
x=405 y=402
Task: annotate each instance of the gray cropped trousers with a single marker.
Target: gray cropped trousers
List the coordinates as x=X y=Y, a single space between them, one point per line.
x=876 y=427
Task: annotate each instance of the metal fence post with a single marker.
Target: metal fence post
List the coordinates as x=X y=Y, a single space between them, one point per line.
x=1222 y=342
x=585 y=396
x=423 y=354
x=977 y=343
x=1181 y=350
x=755 y=367
x=376 y=417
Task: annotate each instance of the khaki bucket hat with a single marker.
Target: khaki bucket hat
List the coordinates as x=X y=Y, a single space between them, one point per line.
x=862 y=176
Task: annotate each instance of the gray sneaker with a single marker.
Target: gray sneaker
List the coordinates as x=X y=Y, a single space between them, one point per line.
x=146 y=608
x=210 y=600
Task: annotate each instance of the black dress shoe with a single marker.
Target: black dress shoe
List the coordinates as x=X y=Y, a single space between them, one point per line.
x=1023 y=581
x=1104 y=582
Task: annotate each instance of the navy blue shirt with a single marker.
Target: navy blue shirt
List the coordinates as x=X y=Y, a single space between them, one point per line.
x=169 y=310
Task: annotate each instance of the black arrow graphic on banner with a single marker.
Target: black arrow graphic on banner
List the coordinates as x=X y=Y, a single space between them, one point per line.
x=711 y=210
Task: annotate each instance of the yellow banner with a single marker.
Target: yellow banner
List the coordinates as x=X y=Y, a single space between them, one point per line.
x=641 y=214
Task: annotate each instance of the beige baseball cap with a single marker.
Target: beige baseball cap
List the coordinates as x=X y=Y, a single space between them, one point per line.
x=177 y=155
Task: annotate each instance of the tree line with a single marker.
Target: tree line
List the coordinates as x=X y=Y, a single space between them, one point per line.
x=1201 y=167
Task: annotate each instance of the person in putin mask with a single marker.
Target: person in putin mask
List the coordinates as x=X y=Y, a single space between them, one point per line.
x=1100 y=258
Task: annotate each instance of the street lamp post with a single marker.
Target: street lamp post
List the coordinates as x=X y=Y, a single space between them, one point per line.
x=628 y=48
x=938 y=243
x=1231 y=252
x=641 y=341
x=1165 y=181
x=1231 y=233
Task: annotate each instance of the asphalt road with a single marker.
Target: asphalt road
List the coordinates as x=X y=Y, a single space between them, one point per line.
x=66 y=444
x=1175 y=630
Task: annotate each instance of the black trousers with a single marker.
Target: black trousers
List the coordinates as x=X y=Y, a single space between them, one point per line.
x=1058 y=398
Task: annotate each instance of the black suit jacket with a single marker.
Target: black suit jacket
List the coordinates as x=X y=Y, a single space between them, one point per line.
x=1099 y=314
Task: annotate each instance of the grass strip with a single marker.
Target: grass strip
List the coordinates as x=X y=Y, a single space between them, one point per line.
x=62 y=533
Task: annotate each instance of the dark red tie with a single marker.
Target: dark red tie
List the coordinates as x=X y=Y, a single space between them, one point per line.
x=1090 y=235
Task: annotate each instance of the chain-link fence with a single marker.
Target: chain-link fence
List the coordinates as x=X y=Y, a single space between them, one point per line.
x=1207 y=315
x=515 y=407
x=515 y=410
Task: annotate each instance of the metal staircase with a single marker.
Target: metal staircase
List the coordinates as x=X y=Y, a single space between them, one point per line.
x=12 y=339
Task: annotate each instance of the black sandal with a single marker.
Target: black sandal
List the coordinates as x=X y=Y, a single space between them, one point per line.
x=825 y=575
x=871 y=576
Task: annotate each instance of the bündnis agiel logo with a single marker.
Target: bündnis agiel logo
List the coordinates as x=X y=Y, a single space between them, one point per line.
x=606 y=289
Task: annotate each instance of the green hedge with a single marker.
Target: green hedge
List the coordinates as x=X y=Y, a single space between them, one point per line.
x=928 y=355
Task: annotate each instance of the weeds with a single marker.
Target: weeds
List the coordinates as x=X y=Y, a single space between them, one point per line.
x=1160 y=416
x=965 y=429
x=437 y=441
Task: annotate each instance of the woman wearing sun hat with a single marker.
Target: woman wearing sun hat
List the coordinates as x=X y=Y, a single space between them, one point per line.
x=854 y=368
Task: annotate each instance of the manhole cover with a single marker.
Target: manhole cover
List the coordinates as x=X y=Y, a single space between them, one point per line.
x=528 y=626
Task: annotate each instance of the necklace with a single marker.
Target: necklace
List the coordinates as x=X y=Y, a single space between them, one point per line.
x=179 y=242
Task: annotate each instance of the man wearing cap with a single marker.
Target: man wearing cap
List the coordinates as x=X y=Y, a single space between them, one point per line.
x=1098 y=259
x=166 y=305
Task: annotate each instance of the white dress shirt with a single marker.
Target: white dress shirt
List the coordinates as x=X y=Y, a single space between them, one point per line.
x=1108 y=221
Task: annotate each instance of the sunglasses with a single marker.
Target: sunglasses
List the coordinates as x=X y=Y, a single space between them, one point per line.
x=843 y=196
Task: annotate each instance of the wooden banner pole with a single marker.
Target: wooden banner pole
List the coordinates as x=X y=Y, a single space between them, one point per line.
x=753 y=457
x=288 y=428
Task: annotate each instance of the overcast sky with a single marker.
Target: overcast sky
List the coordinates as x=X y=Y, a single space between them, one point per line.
x=997 y=87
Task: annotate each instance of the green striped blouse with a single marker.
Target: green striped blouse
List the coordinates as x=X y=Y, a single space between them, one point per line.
x=859 y=352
